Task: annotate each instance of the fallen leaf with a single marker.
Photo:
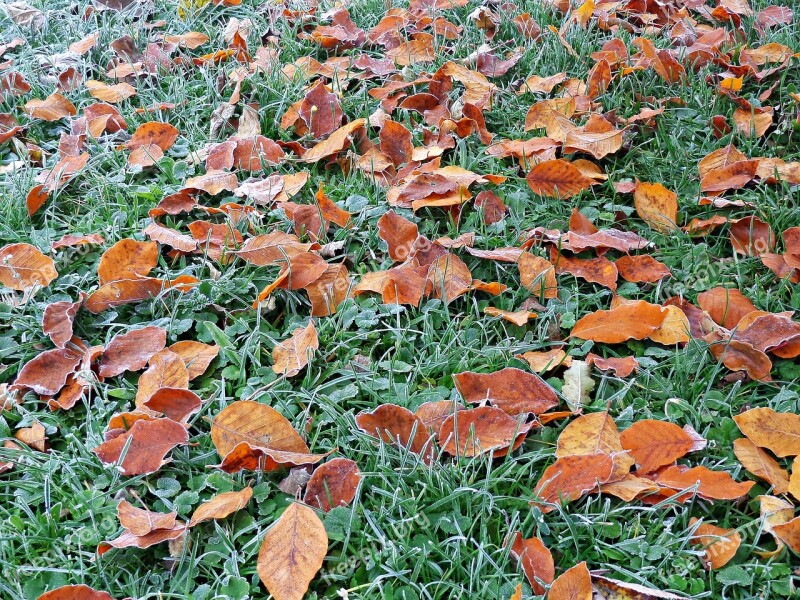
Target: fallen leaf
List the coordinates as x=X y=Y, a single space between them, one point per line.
x=75 y=592
x=58 y=319
x=23 y=267
x=656 y=205
x=518 y=318
x=654 y=444
x=622 y=366
x=512 y=390
x=139 y=521
x=291 y=355
x=546 y=360
x=335 y=143
x=221 y=506
x=47 y=372
x=537 y=275
x=595 y=433
x=571 y=477
x=574 y=584
x=578 y=385
x=481 y=430
x=535 y=560
x=711 y=485
x=751 y=236
x=396 y=425
x=53 y=108
x=557 y=179
x=127 y=259
x=761 y=464
x=196 y=356
x=113 y=94
x=292 y=553
x=166 y=370
x=630 y=320
x=131 y=351
x=150 y=442
x=333 y=484
x=777 y=432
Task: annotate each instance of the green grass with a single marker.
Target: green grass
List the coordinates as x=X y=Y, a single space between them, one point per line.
x=413 y=531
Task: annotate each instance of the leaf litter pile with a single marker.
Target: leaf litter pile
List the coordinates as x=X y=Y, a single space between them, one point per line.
x=427 y=300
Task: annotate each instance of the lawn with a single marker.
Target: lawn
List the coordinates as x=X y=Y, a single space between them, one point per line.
x=423 y=522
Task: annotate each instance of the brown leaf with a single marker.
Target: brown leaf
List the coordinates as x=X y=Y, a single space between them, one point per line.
x=396 y=425
x=126 y=291
x=557 y=179
x=177 y=404
x=518 y=317
x=594 y=270
x=761 y=464
x=221 y=506
x=571 y=477
x=320 y=111
x=789 y=533
x=245 y=456
x=656 y=205
x=492 y=207
x=23 y=267
x=166 y=370
x=47 y=372
x=399 y=234
x=33 y=436
x=196 y=356
x=450 y=277
x=71 y=240
x=595 y=433
x=726 y=306
x=131 y=351
x=711 y=485
x=654 y=444
x=150 y=442
x=58 y=319
x=776 y=333
x=170 y=237
x=396 y=142
x=272 y=248
x=751 y=236
x=52 y=108
x=620 y=590
x=629 y=487
x=574 y=584
x=333 y=484
x=730 y=177
x=294 y=353
x=739 y=356
x=130 y=540
x=535 y=559
x=329 y=290
x=292 y=553
x=481 y=430
x=419 y=49
x=512 y=390
x=622 y=366
x=213 y=182
x=630 y=320
x=127 y=259
x=75 y=592
x=434 y=413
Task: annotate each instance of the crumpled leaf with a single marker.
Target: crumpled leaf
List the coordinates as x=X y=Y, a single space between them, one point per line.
x=150 y=442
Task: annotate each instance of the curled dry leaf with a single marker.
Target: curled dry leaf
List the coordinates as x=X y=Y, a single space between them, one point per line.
x=125 y=291
x=518 y=317
x=481 y=430
x=47 y=372
x=23 y=267
x=335 y=143
x=629 y=320
x=654 y=444
x=221 y=506
x=291 y=355
x=292 y=553
x=140 y=522
x=58 y=319
x=150 y=442
x=72 y=240
x=535 y=559
x=761 y=464
x=333 y=484
x=512 y=390
x=131 y=351
x=34 y=436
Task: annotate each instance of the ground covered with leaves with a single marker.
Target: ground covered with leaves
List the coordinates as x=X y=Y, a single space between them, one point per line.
x=428 y=300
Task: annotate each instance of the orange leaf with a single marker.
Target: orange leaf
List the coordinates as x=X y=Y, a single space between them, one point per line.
x=155 y=133
x=656 y=205
x=641 y=269
x=595 y=433
x=761 y=464
x=75 y=592
x=294 y=353
x=481 y=430
x=166 y=370
x=139 y=521
x=545 y=360
x=571 y=477
x=573 y=584
x=654 y=444
x=23 y=267
x=711 y=485
x=535 y=559
x=221 y=505
x=725 y=306
x=213 y=182
x=333 y=484
x=752 y=237
x=335 y=143
x=777 y=432
x=150 y=442
x=47 y=372
x=52 y=108
x=195 y=355
x=58 y=319
x=537 y=275
x=396 y=425
x=512 y=390
x=127 y=259
x=518 y=318
x=292 y=553
x=113 y=94
x=557 y=179
x=631 y=320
